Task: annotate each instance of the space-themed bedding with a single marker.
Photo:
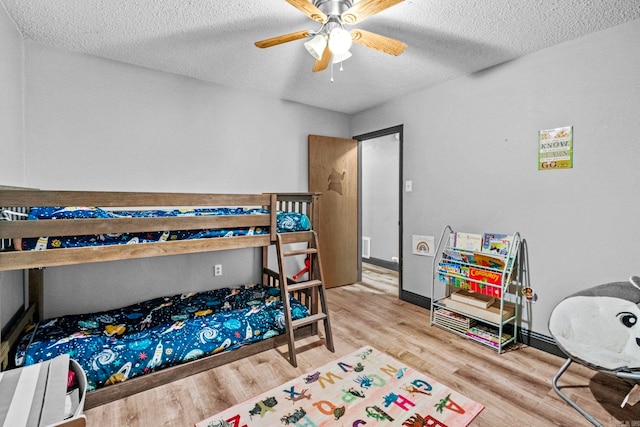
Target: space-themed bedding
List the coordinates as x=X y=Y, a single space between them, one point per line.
x=116 y=345
x=285 y=221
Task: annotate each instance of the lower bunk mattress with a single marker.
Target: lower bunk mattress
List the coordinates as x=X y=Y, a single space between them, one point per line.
x=115 y=345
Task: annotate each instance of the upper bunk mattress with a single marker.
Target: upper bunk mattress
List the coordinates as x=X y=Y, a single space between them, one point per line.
x=285 y=222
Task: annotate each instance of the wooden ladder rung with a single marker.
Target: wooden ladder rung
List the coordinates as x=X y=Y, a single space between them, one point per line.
x=301 y=252
x=304 y=285
x=314 y=318
x=296 y=237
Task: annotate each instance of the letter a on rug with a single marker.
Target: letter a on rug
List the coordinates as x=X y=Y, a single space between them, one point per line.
x=364 y=388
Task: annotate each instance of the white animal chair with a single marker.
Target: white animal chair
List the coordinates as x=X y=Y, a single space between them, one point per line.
x=600 y=329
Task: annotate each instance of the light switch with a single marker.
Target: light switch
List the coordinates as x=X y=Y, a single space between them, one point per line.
x=408 y=186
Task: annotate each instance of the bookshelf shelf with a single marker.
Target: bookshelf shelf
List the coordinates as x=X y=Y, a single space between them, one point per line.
x=476 y=284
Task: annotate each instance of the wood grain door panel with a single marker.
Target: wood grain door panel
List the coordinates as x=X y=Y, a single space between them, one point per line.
x=333 y=171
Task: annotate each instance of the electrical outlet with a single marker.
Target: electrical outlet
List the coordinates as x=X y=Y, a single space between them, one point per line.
x=217 y=270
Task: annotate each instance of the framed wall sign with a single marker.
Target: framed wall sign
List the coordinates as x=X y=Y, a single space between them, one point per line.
x=555 y=148
x=423 y=245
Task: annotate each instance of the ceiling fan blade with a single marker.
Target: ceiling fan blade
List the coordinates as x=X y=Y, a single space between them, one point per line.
x=322 y=63
x=274 y=41
x=308 y=8
x=378 y=42
x=364 y=9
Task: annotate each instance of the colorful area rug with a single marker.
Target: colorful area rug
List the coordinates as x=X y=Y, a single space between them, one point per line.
x=366 y=387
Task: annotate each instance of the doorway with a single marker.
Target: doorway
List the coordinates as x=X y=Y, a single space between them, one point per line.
x=380 y=200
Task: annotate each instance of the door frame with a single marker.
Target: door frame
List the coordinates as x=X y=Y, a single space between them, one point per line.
x=398 y=129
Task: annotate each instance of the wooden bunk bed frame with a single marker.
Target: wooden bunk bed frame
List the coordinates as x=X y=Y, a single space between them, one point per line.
x=34 y=261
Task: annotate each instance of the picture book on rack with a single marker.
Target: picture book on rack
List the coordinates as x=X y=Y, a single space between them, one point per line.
x=459 y=256
x=468 y=242
x=496 y=243
x=489 y=260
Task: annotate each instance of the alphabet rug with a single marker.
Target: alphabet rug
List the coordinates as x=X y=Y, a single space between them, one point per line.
x=364 y=388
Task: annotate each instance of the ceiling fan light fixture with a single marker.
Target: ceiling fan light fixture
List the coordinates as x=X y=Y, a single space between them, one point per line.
x=336 y=58
x=316 y=45
x=339 y=41
x=331 y=43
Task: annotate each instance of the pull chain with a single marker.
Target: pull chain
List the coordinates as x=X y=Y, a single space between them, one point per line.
x=341 y=70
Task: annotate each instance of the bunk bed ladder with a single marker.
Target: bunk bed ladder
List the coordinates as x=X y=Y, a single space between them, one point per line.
x=314 y=287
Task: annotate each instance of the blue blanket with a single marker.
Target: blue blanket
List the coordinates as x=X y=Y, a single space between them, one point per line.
x=115 y=345
x=285 y=221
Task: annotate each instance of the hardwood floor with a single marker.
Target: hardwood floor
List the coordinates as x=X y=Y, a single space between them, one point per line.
x=515 y=387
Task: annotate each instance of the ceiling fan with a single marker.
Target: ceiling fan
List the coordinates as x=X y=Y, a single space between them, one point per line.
x=331 y=43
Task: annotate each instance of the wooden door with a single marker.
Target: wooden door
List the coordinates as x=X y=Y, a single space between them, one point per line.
x=333 y=171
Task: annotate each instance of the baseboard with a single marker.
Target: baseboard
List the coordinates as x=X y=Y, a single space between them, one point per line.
x=540 y=341
x=389 y=265
x=416 y=299
x=525 y=336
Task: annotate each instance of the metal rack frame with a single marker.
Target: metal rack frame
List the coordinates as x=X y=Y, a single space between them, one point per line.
x=513 y=261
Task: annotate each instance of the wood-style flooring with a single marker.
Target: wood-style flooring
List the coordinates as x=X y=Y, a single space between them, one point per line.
x=515 y=386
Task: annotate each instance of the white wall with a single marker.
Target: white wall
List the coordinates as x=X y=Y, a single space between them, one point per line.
x=11 y=143
x=470 y=148
x=95 y=124
x=11 y=105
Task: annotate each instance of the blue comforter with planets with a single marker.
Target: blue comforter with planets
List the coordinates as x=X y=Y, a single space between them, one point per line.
x=285 y=221
x=115 y=345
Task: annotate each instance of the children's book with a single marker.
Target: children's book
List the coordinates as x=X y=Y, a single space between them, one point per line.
x=489 y=260
x=458 y=256
x=483 y=277
x=454 y=255
x=486 y=276
x=499 y=247
x=496 y=243
x=487 y=334
x=469 y=241
x=450 y=268
x=473 y=298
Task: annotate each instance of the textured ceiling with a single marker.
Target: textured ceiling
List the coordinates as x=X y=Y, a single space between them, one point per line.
x=212 y=40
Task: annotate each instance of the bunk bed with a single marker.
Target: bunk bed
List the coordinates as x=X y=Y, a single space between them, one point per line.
x=109 y=214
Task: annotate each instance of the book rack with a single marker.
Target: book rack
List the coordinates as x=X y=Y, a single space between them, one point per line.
x=477 y=278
